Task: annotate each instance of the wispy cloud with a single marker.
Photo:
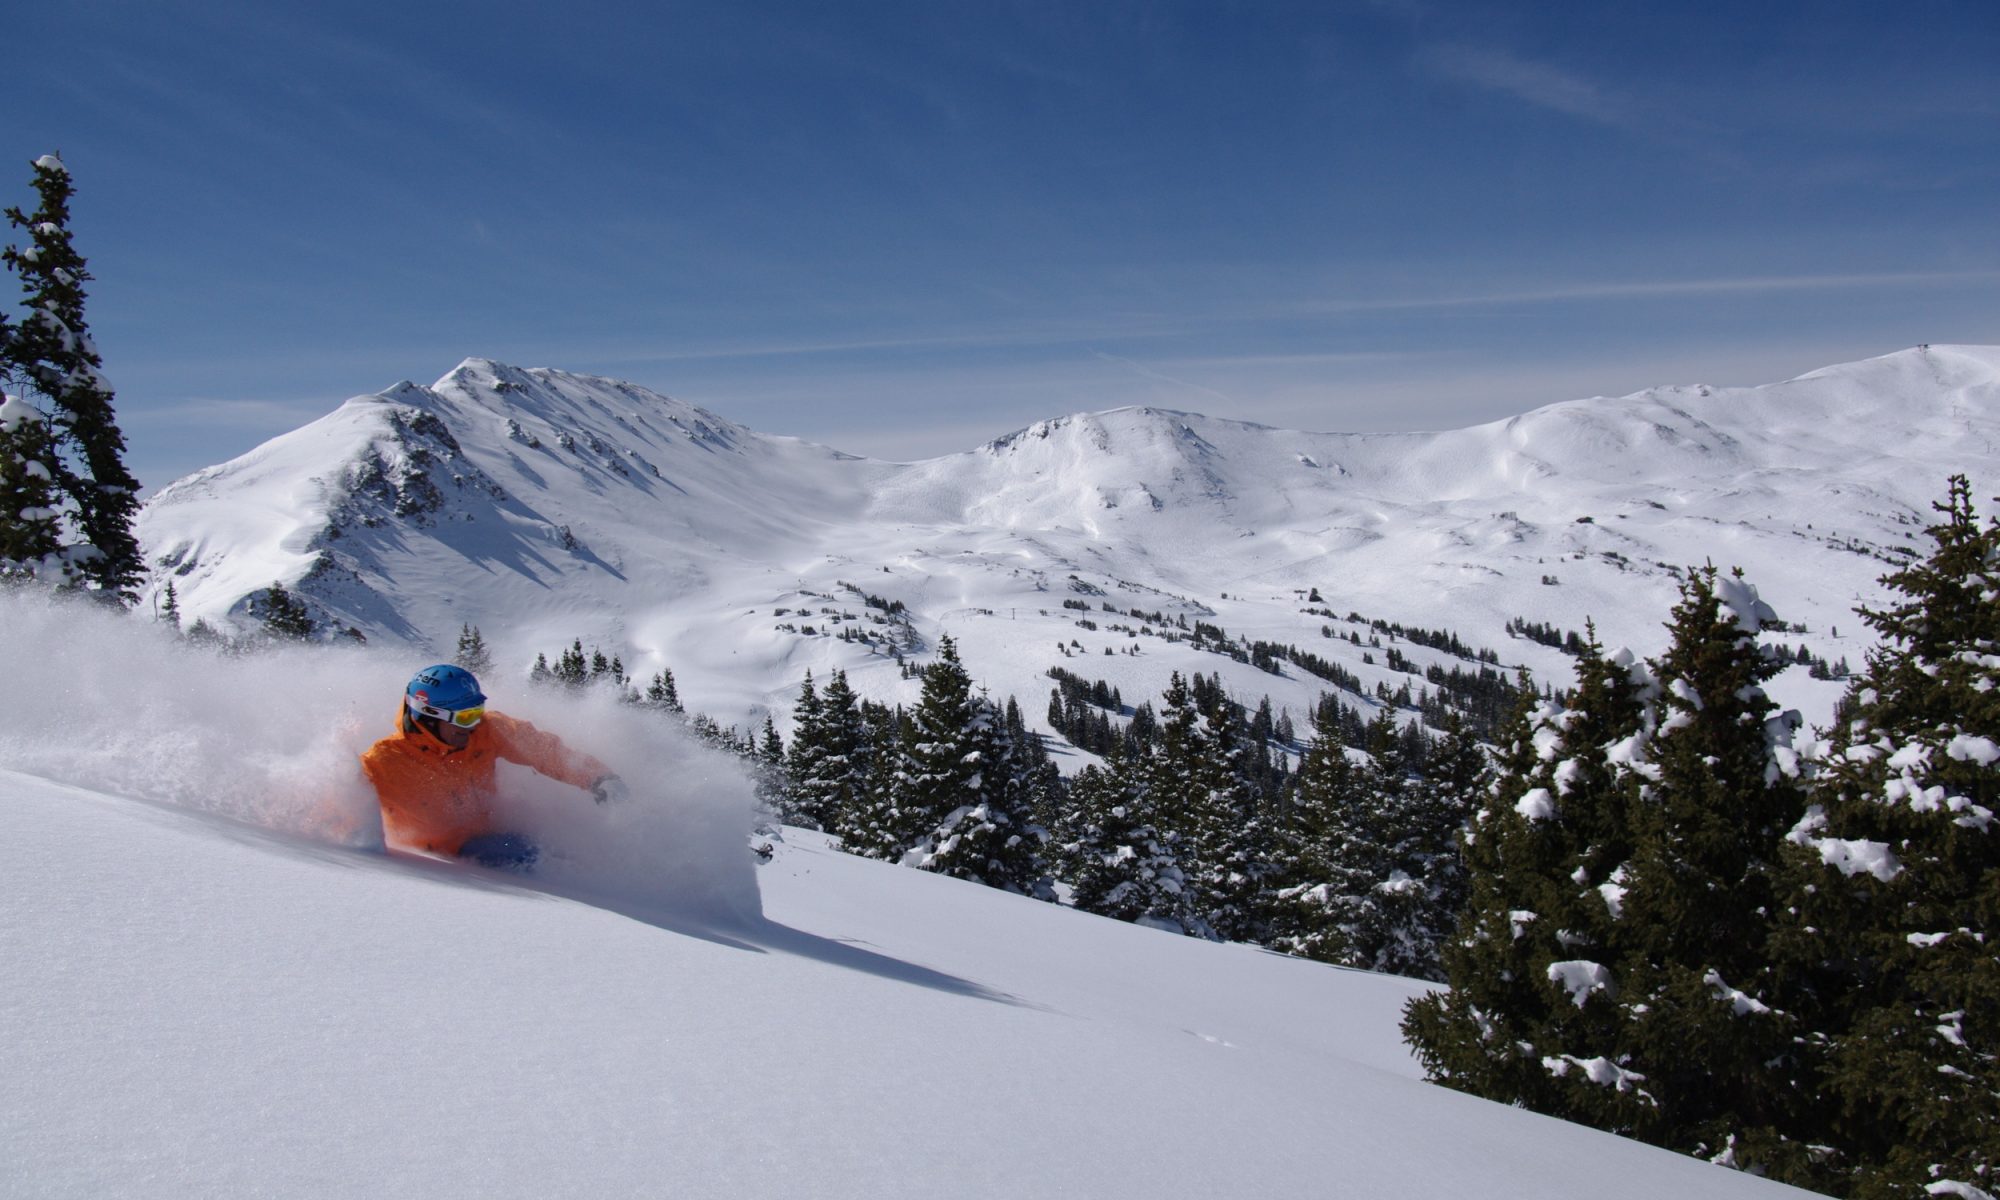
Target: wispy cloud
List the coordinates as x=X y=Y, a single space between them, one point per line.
x=1537 y=83
x=1660 y=288
x=234 y=415
x=998 y=337
x=1348 y=358
x=1147 y=372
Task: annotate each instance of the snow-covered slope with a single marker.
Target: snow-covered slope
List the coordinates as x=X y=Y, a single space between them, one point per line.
x=494 y=491
x=214 y=986
x=544 y=506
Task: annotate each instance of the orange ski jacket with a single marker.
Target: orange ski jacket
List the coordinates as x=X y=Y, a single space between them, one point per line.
x=434 y=796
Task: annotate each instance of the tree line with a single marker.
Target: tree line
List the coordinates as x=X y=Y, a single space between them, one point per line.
x=1193 y=821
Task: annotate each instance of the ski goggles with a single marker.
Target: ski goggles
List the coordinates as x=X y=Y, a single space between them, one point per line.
x=464 y=718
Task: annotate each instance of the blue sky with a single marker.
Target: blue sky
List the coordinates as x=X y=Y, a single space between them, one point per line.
x=905 y=228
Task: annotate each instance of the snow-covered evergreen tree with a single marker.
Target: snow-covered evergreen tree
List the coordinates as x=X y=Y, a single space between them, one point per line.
x=31 y=532
x=1119 y=865
x=1695 y=970
x=1235 y=827
x=1170 y=768
x=49 y=353
x=870 y=825
x=1197 y=780
x=1531 y=1017
x=830 y=761
x=771 y=747
x=1426 y=890
x=993 y=840
x=1375 y=854
x=959 y=805
x=1372 y=876
x=1615 y=964
x=1310 y=909
x=939 y=768
x=1894 y=890
x=284 y=615
x=572 y=669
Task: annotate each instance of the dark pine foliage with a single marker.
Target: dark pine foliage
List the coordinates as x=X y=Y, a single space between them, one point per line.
x=284 y=615
x=1614 y=965
x=1893 y=893
x=49 y=355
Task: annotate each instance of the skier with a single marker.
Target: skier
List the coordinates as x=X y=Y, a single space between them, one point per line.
x=435 y=776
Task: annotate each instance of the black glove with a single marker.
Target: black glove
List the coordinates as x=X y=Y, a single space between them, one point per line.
x=610 y=790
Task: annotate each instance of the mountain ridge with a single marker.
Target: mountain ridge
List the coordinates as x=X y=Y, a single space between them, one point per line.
x=545 y=505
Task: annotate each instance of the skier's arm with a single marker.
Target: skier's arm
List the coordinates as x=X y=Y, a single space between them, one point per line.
x=520 y=742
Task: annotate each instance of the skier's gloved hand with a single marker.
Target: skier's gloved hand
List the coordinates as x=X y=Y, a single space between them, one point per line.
x=610 y=790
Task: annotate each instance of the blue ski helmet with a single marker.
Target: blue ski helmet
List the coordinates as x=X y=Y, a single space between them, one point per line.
x=444 y=691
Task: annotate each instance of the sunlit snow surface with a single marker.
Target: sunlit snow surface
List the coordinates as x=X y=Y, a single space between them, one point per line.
x=211 y=985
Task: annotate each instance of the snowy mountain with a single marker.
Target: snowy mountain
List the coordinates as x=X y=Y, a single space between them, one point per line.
x=218 y=985
x=544 y=506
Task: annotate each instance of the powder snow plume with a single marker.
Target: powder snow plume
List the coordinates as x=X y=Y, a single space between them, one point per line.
x=272 y=738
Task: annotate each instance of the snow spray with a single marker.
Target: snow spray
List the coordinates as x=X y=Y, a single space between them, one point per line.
x=679 y=843
x=272 y=737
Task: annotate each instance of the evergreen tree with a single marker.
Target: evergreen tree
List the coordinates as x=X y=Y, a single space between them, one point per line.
x=1176 y=776
x=472 y=653
x=572 y=669
x=1372 y=853
x=1615 y=964
x=803 y=771
x=1118 y=864
x=285 y=616
x=993 y=839
x=1419 y=902
x=1372 y=876
x=1042 y=794
x=1310 y=916
x=1893 y=885
x=1202 y=779
x=869 y=825
x=51 y=354
x=1238 y=827
x=960 y=805
x=661 y=693
x=31 y=533
x=1530 y=1018
x=1696 y=971
x=170 y=607
x=830 y=762
x=771 y=747
x=939 y=769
